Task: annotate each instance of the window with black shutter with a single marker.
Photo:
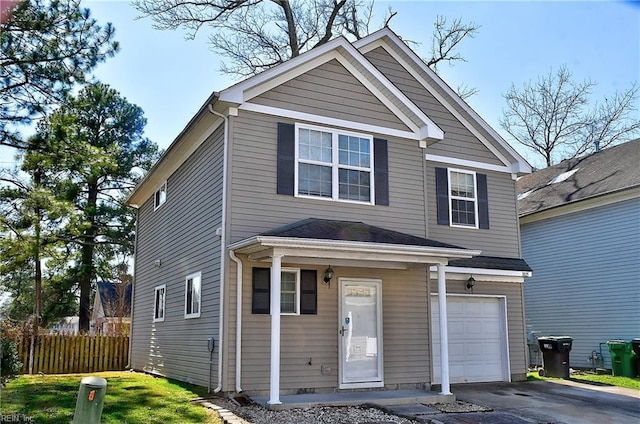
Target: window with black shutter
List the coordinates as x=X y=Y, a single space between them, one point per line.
x=298 y=291
x=462 y=198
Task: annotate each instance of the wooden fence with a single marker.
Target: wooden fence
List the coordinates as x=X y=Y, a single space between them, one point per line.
x=63 y=354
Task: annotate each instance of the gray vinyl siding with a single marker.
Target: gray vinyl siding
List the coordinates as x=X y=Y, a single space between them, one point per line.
x=502 y=238
x=380 y=58
x=315 y=337
x=330 y=90
x=586 y=277
x=458 y=141
x=253 y=177
x=515 y=317
x=181 y=234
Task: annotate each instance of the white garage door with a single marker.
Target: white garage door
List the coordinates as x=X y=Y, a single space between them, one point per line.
x=477 y=339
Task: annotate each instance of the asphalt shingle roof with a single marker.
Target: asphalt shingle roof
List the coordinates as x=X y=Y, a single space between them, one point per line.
x=614 y=169
x=109 y=296
x=325 y=229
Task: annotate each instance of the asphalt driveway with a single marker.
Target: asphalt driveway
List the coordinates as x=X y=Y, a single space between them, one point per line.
x=556 y=402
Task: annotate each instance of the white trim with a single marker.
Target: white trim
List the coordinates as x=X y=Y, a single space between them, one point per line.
x=162 y=288
x=254 y=86
x=261 y=248
x=467 y=163
x=295 y=271
x=158 y=200
x=376 y=40
x=274 y=372
x=444 y=332
x=467 y=199
x=582 y=205
x=373 y=383
x=325 y=120
x=334 y=165
x=483 y=274
x=196 y=276
x=506 y=366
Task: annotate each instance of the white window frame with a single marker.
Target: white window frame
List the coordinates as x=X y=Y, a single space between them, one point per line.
x=158 y=289
x=295 y=271
x=158 y=200
x=335 y=166
x=196 y=276
x=469 y=199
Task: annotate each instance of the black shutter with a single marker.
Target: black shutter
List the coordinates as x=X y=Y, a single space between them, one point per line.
x=308 y=292
x=381 y=171
x=442 y=195
x=261 y=287
x=483 y=201
x=286 y=158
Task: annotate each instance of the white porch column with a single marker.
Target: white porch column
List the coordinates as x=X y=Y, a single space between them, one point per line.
x=444 y=335
x=274 y=385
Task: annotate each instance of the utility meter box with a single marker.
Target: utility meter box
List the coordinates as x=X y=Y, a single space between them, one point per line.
x=90 y=400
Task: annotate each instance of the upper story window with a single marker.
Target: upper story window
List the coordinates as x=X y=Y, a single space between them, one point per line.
x=159 y=302
x=334 y=164
x=462 y=198
x=192 y=295
x=160 y=196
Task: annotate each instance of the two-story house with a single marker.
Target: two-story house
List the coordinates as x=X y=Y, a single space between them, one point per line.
x=341 y=221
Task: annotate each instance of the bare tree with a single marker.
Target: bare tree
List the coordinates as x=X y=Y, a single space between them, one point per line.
x=255 y=35
x=552 y=116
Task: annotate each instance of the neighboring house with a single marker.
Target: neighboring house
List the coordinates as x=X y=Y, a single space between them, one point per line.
x=580 y=226
x=66 y=325
x=111 y=308
x=349 y=188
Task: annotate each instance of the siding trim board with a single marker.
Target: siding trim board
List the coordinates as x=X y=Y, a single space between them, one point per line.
x=326 y=120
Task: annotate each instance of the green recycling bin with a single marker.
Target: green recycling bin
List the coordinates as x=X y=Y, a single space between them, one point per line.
x=623 y=360
x=90 y=400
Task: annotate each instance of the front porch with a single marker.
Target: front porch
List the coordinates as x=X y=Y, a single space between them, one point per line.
x=354 y=398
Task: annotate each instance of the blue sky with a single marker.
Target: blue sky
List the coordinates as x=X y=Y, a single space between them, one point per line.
x=170 y=77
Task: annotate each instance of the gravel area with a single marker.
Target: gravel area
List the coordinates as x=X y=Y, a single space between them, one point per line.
x=257 y=414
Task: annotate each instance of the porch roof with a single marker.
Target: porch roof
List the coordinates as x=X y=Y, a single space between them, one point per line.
x=344 y=242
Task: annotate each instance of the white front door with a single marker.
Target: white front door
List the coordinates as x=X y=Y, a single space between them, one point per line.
x=360 y=333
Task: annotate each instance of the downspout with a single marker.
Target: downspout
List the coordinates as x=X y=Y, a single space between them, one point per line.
x=133 y=286
x=222 y=243
x=238 y=262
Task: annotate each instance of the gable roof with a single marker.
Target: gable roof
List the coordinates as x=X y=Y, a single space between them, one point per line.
x=344 y=52
x=392 y=43
x=351 y=56
x=607 y=171
x=110 y=298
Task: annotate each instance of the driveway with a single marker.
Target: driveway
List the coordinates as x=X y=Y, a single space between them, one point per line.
x=555 y=402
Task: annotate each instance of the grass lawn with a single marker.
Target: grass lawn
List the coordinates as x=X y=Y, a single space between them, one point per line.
x=598 y=379
x=130 y=398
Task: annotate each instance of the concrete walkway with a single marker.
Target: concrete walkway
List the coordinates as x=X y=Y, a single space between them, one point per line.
x=351 y=398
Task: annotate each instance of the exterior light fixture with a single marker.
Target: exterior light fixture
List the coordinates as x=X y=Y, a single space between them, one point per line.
x=328 y=275
x=471 y=282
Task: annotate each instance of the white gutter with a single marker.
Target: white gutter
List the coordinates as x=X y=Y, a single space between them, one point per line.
x=238 y=262
x=222 y=243
x=353 y=246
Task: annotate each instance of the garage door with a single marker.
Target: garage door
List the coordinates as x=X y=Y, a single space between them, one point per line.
x=477 y=339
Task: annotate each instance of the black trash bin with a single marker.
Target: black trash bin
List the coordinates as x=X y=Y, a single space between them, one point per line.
x=635 y=345
x=555 y=355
